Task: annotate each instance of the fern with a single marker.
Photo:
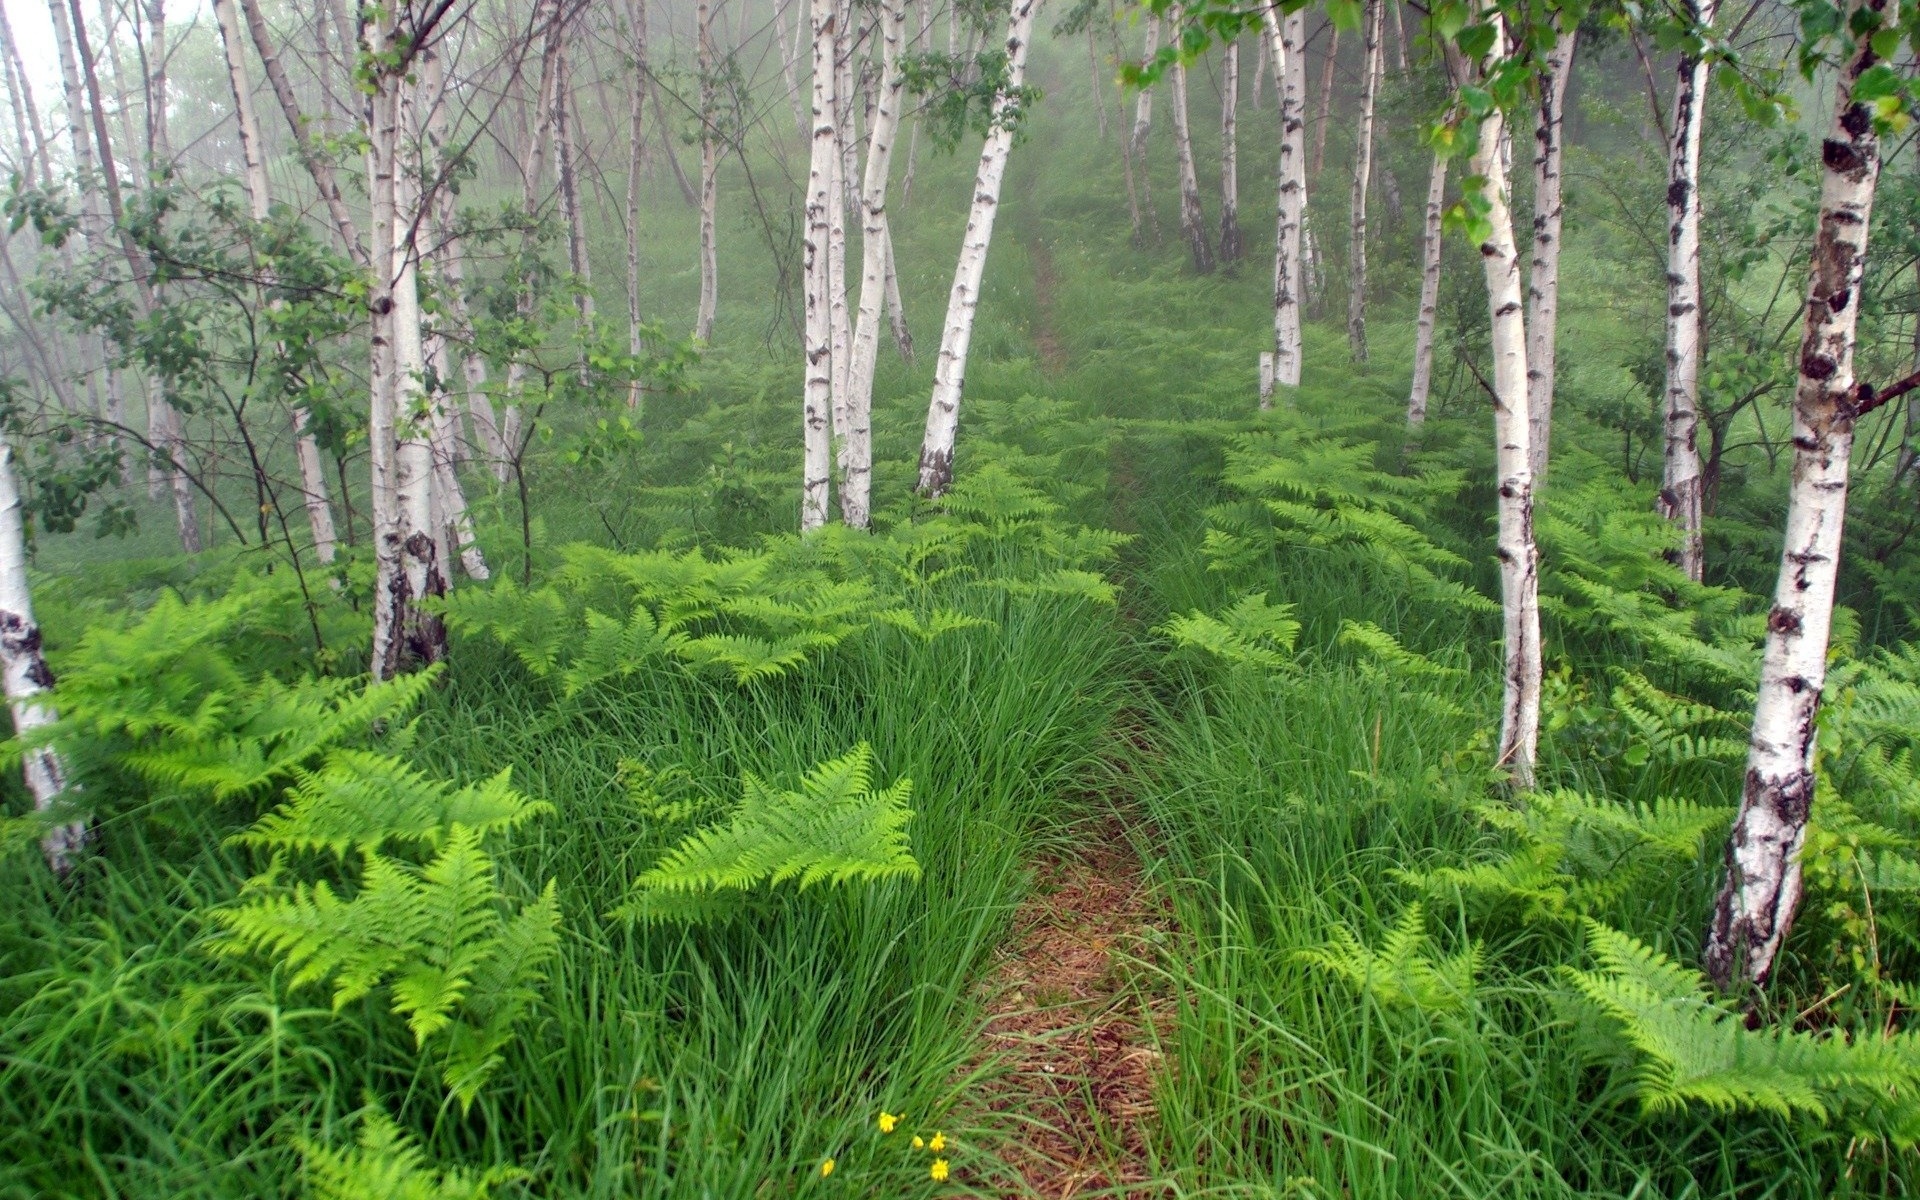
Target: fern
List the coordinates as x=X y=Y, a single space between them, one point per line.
x=1251 y=633
x=361 y=801
x=386 y=1164
x=1403 y=972
x=836 y=829
x=1386 y=649
x=1687 y=1049
x=937 y=624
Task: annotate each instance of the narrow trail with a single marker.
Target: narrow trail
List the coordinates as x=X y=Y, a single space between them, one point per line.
x=1070 y=1031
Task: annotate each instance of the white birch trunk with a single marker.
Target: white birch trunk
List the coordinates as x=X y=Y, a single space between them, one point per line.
x=636 y=156
x=1193 y=217
x=1138 y=139
x=1230 y=243
x=949 y=374
x=1429 y=295
x=876 y=268
x=709 y=180
x=1543 y=277
x=1683 y=481
x=789 y=63
x=313 y=476
x=26 y=674
x=1285 y=43
x=896 y=311
x=1762 y=886
x=816 y=481
x=1323 y=120
x=1519 y=559
x=566 y=170
x=1362 y=184
x=383 y=139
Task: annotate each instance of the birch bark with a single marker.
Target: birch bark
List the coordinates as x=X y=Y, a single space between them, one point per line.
x=636 y=157
x=816 y=419
x=1137 y=140
x=856 y=468
x=1543 y=277
x=1762 y=886
x=26 y=675
x=1429 y=295
x=1519 y=558
x=1193 y=217
x=1230 y=244
x=709 y=177
x=1285 y=40
x=943 y=411
x=1362 y=181
x=1683 y=481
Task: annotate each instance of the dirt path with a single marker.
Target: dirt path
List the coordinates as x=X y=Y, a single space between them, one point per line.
x=1068 y=1025
x=1046 y=342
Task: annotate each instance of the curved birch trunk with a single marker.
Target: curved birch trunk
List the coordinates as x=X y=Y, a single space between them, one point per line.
x=949 y=372
x=876 y=269
x=1284 y=37
x=1429 y=295
x=1193 y=217
x=313 y=475
x=816 y=480
x=709 y=180
x=1362 y=182
x=1683 y=482
x=26 y=675
x=1543 y=278
x=1762 y=886
x=1519 y=559
x=1230 y=244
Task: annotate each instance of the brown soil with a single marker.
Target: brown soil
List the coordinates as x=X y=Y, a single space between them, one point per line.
x=1069 y=1031
x=1046 y=343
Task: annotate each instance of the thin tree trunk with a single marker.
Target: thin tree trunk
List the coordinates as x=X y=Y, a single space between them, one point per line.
x=1193 y=217
x=636 y=155
x=896 y=311
x=318 y=165
x=1762 y=886
x=566 y=170
x=943 y=411
x=1682 y=486
x=1285 y=43
x=1399 y=37
x=1137 y=141
x=533 y=166
x=709 y=177
x=1098 y=81
x=856 y=467
x=1230 y=244
x=1543 y=277
x=816 y=482
x=26 y=675
x=1362 y=183
x=313 y=477
x=1323 y=120
x=789 y=60
x=1429 y=295
x=1519 y=559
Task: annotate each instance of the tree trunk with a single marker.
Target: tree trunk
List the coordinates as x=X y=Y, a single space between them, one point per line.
x=533 y=169
x=1362 y=183
x=1519 y=560
x=949 y=374
x=1683 y=482
x=1323 y=120
x=789 y=60
x=313 y=477
x=896 y=311
x=26 y=674
x=1762 y=886
x=636 y=155
x=1429 y=295
x=816 y=481
x=856 y=467
x=1137 y=140
x=709 y=178
x=1097 y=78
x=1230 y=245
x=1193 y=218
x=1543 y=278
x=566 y=170
x=1286 y=44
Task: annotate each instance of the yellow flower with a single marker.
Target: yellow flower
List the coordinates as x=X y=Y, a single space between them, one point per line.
x=888 y=1121
x=938 y=1171
x=919 y=1143
x=939 y=1142
x=826 y=1168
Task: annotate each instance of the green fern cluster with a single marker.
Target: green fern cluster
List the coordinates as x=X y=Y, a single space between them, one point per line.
x=1680 y=1047
x=386 y=1164
x=837 y=829
x=1251 y=633
x=425 y=916
x=1407 y=971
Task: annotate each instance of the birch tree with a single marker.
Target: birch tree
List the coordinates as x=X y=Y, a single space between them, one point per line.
x=1362 y=181
x=816 y=481
x=1193 y=217
x=1230 y=244
x=1762 y=885
x=709 y=176
x=1517 y=554
x=1543 y=278
x=1683 y=482
x=313 y=476
x=1285 y=41
x=1429 y=314
x=25 y=671
x=949 y=373
x=856 y=467
x=1136 y=158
